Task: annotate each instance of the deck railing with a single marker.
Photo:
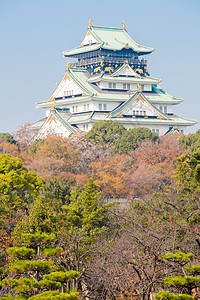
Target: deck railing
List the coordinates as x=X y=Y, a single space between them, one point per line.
x=93 y=60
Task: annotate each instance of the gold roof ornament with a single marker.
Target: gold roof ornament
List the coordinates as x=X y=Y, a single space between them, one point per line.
x=124 y=26
x=90 y=23
x=53 y=105
x=139 y=88
x=68 y=65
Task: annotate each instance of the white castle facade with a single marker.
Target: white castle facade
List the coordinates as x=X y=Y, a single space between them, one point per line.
x=109 y=80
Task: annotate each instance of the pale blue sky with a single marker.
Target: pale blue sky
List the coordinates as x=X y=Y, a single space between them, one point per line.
x=35 y=32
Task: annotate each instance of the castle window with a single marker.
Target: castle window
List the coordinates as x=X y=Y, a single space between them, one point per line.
x=73 y=109
x=161 y=108
x=134 y=112
x=155 y=130
x=181 y=131
x=165 y=109
x=88 y=106
x=68 y=93
x=144 y=113
x=104 y=106
x=100 y=106
x=112 y=85
x=142 y=87
x=76 y=108
x=84 y=107
x=126 y=86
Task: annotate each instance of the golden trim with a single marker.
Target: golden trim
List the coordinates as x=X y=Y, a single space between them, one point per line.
x=53 y=105
x=124 y=26
x=68 y=65
x=90 y=23
x=139 y=88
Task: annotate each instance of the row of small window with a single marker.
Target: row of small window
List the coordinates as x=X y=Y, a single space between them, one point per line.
x=85 y=127
x=68 y=93
x=163 y=109
x=139 y=112
x=155 y=130
x=102 y=106
x=86 y=107
x=74 y=109
x=126 y=86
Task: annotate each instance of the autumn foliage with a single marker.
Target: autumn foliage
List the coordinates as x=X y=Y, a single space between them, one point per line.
x=99 y=216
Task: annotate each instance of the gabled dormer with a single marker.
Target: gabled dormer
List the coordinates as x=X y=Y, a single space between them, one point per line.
x=138 y=107
x=125 y=71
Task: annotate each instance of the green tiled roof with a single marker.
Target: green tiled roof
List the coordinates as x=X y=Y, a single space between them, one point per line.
x=171 y=120
x=127 y=104
x=110 y=39
x=117 y=72
x=79 y=50
x=37 y=124
x=80 y=78
x=63 y=120
x=141 y=80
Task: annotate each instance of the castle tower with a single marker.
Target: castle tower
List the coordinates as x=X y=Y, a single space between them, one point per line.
x=106 y=78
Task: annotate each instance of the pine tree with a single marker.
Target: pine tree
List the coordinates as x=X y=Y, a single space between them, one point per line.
x=187 y=283
x=37 y=272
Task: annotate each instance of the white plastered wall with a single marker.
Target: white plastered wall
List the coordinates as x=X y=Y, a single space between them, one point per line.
x=53 y=126
x=70 y=87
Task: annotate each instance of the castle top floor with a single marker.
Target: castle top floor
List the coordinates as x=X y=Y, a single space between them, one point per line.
x=107 y=45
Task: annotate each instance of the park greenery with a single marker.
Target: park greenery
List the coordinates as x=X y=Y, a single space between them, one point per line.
x=111 y=214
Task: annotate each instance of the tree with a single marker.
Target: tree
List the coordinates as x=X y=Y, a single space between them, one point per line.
x=131 y=138
x=37 y=270
x=105 y=132
x=8 y=144
x=16 y=181
x=187 y=285
x=24 y=136
x=188 y=170
x=191 y=141
x=55 y=156
x=112 y=175
x=7 y=137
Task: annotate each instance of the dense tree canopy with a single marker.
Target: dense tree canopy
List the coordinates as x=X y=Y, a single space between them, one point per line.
x=67 y=232
x=105 y=132
x=131 y=138
x=191 y=141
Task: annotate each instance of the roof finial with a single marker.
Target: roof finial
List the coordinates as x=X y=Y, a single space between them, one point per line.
x=53 y=104
x=67 y=67
x=139 y=88
x=90 y=23
x=124 y=26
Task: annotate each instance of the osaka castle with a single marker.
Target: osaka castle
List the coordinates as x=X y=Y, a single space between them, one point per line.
x=107 y=78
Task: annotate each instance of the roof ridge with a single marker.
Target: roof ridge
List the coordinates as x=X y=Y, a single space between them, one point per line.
x=64 y=122
x=115 y=111
x=107 y=28
x=77 y=81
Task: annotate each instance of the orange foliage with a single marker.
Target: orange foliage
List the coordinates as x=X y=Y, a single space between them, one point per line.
x=11 y=149
x=110 y=173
